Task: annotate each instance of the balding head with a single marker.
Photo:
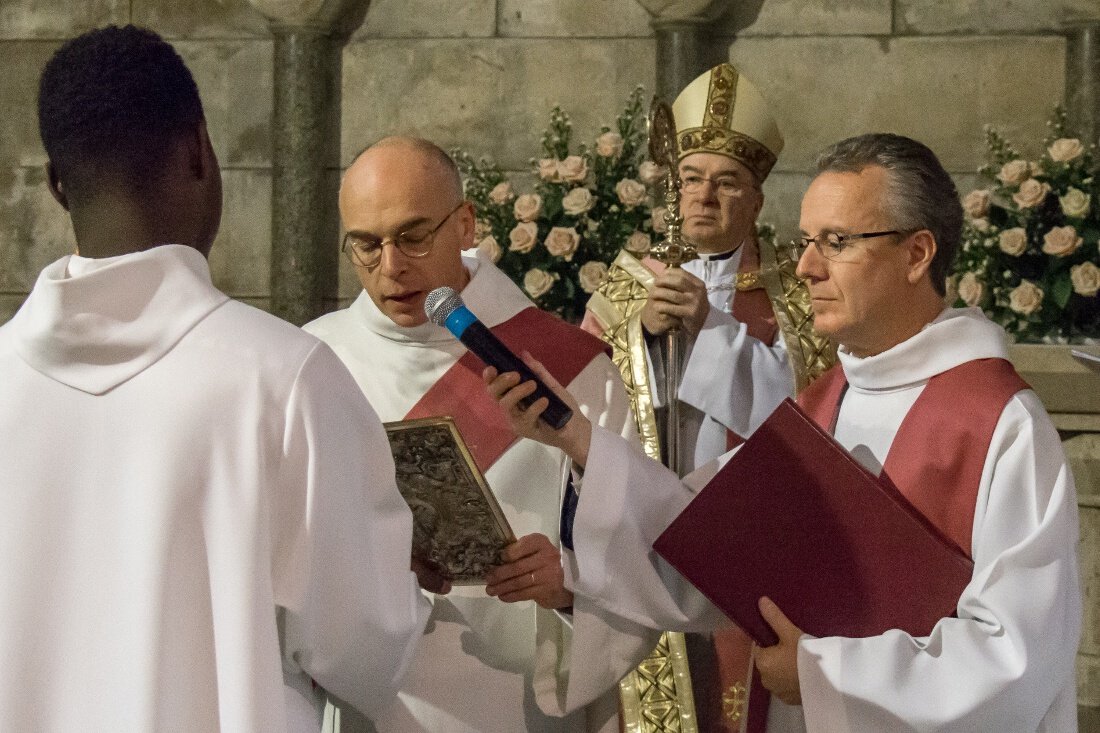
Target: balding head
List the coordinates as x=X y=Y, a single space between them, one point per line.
x=407 y=186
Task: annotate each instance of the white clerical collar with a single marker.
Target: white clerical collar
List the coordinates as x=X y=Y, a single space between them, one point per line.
x=956 y=336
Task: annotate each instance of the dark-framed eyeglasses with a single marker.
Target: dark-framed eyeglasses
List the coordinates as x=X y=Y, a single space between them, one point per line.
x=833 y=246
x=366 y=251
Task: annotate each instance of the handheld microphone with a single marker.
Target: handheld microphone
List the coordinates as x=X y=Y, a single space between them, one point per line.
x=444 y=307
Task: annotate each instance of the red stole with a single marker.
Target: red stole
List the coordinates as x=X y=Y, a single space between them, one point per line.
x=564 y=350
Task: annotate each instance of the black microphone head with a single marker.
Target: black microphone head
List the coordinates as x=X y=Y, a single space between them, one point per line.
x=440 y=304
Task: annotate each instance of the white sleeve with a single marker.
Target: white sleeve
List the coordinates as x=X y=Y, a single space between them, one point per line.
x=733 y=378
x=352 y=609
x=627 y=501
x=1007 y=661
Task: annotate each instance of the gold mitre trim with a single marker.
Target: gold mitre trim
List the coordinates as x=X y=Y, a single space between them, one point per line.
x=722 y=112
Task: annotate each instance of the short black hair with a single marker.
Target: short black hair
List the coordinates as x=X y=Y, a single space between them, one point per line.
x=110 y=102
x=919 y=194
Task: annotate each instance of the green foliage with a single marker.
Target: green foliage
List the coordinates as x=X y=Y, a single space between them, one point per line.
x=1031 y=242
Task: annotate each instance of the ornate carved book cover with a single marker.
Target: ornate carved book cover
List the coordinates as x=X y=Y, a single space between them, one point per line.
x=457 y=523
x=793 y=516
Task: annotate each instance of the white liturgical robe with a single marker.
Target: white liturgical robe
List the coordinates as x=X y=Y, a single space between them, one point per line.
x=485 y=665
x=1006 y=663
x=730 y=381
x=199 y=508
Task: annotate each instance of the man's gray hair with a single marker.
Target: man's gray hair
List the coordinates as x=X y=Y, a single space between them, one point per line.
x=919 y=193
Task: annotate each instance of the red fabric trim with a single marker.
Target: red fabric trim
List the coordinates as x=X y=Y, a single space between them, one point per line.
x=564 y=349
x=821 y=398
x=939 y=452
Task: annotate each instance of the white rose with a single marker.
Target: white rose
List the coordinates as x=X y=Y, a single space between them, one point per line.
x=638 y=243
x=1065 y=149
x=528 y=206
x=591 y=275
x=502 y=193
x=548 y=169
x=1061 y=241
x=1031 y=193
x=976 y=203
x=537 y=282
x=971 y=289
x=609 y=144
x=562 y=242
x=1013 y=241
x=1075 y=203
x=631 y=193
x=657 y=220
x=1085 y=278
x=490 y=248
x=1025 y=298
x=523 y=236
x=578 y=201
x=649 y=172
x=573 y=169
x=1014 y=171
x=982 y=225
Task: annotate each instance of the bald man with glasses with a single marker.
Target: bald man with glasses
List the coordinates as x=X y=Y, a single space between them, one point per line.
x=518 y=654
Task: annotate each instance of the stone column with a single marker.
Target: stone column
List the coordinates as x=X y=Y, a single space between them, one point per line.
x=1083 y=80
x=305 y=157
x=683 y=50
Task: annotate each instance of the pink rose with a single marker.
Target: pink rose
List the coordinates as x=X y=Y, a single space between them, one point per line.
x=1031 y=193
x=971 y=289
x=609 y=144
x=1025 y=298
x=976 y=203
x=951 y=290
x=548 y=170
x=631 y=193
x=482 y=229
x=502 y=193
x=1065 y=149
x=573 y=169
x=1085 y=278
x=657 y=220
x=638 y=243
x=538 y=282
x=1013 y=241
x=1061 y=241
x=490 y=248
x=523 y=236
x=577 y=201
x=591 y=275
x=562 y=242
x=528 y=206
x=1014 y=171
x=649 y=172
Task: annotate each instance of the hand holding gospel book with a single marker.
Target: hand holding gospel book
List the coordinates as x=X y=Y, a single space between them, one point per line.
x=794 y=517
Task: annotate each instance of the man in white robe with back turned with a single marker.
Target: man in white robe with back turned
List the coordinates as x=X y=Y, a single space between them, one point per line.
x=925 y=395
x=540 y=662
x=199 y=505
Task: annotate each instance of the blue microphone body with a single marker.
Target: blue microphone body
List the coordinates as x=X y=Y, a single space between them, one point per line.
x=465 y=326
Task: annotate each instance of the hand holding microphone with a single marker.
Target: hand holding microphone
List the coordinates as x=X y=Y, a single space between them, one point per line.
x=444 y=307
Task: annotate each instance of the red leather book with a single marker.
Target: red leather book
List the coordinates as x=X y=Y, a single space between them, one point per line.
x=794 y=517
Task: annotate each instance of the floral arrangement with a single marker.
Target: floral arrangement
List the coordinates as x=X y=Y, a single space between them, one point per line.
x=556 y=241
x=1029 y=256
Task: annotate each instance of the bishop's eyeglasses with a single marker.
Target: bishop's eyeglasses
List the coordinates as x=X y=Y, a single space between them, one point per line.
x=833 y=246
x=366 y=251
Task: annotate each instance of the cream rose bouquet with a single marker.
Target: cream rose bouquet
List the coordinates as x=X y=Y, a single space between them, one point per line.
x=1029 y=256
x=557 y=240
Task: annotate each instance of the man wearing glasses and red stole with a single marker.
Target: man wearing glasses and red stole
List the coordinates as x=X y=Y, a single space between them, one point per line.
x=923 y=395
x=539 y=661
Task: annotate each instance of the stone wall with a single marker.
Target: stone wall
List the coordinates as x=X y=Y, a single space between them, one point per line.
x=483 y=75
